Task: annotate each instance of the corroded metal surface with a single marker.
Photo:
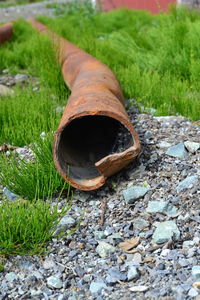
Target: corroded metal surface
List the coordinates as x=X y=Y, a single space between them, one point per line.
x=5 y=32
x=95 y=138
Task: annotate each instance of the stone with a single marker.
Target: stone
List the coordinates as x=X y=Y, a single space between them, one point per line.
x=99 y=235
x=65 y=223
x=48 y=264
x=139 y=288
x=187 y=183
x=178 y=151
x=96 y=287
x=104 y=249
x=134 y=193
x=54 y=282
x=26 y=154
x=21 y=78
x=137 y=258
x=196 y=272
x=161 y=207
x=5 y=91
x=10 y=195
x=192 y=292
x=192 y=146
x=139 y=224
x=164 y=144
x=165 y=231
x=133 y=273
x=148 y=134
x=11 y=276
x=114 y=275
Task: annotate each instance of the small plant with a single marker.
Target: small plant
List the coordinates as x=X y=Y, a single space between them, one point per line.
x=37 y=179
x=26 y=226
x=83 y=8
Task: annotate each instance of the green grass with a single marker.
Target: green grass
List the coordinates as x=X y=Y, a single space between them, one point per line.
x=26 y=227
x=156 y=58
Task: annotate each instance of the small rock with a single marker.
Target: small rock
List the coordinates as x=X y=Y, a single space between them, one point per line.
x=21 y=78
x=11 y=276
x=115 y=275
x=164 y=144
x=187 y=182
x=26 y=153
x=148 y=134
x=161 y=207
x=65 y=223
x=10 y=195
x=54 y=282
x=196 y=272
x=104 y=249
x=134 y=193
x=192 y=146
x=5 y=91
x=99 y=235
x=139 y=224
x=165 y=231
x=133 y=273
x=137 y=258
x=96 y=287
x=177 y=151
x=192 y=292
x=48 y=264
x=139 y=288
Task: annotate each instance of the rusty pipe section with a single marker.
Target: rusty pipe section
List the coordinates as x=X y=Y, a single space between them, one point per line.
x=95 y=138
x=6 y=32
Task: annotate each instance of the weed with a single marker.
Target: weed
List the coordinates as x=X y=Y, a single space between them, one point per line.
x=37 y=179
x=26 y=227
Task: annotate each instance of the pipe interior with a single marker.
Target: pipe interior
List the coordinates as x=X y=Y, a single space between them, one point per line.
x=86 y=140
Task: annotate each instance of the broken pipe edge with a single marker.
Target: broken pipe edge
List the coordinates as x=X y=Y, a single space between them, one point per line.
x=108 y=165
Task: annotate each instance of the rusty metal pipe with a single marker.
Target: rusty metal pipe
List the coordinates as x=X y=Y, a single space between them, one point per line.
x=95 y=138
x=6 y=32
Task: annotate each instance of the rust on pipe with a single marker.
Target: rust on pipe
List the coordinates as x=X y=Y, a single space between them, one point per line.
x=6 y=32
x=95 y=138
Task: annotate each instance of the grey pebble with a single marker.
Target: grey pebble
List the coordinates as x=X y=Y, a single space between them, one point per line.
x=178 y=151
x=187 y=182
x=161 y=207
x=104 y=249
x=54 y=282
x=165 y=231
x=115 y=275
x=134 y=193
x=96 y=287
x=11 y=276
x=10 y=195
x=133 y=273
x=192 y=146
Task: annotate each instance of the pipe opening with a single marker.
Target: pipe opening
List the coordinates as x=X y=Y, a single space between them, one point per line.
x=88 y=139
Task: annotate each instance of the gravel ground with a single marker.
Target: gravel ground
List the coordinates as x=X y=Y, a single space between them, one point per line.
x=148 y=246
x=28 y=10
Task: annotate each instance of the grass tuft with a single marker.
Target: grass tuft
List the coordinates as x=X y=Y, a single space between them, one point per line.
x=26 y=227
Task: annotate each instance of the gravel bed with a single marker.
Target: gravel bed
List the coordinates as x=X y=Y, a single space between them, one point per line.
x=154 y=203
x=28 y=10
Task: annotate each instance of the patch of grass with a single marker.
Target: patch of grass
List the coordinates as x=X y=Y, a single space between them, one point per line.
x=24 y=116
x=26 y=227
x=32 y=180
x=155 y=57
